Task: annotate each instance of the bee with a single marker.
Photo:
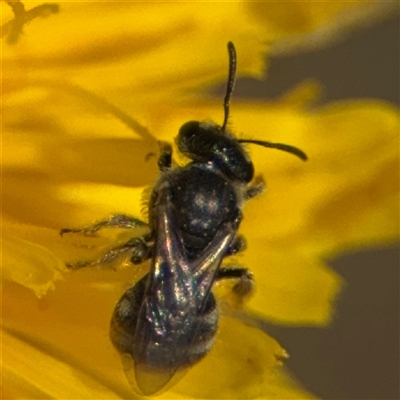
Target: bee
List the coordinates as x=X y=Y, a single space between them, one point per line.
x=168 y=320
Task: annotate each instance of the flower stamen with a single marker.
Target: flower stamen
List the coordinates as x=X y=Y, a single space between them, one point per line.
x=14 y=28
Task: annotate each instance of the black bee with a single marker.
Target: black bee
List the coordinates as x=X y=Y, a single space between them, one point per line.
x=168 y=320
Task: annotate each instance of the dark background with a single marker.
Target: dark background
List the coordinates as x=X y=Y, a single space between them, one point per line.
x=357 y=357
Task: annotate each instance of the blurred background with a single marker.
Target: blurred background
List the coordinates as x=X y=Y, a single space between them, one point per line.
x=357 y=357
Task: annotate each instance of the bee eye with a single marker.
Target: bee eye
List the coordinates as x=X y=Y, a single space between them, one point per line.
x=188 y=129
x=188 y=137
x=195 y=141
x=205 y=142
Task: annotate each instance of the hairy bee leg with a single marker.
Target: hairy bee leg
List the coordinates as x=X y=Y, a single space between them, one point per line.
x=113 y=221
x=238 y=245
x=245 y=283
x=256 y=188
x=140 y=249
x=144 y=251
x=165 y=158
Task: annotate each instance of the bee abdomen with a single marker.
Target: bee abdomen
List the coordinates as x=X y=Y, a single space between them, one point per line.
x=123 y=328
x=204 y=337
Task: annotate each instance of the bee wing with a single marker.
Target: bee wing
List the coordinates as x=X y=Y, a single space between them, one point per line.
x=176 y=292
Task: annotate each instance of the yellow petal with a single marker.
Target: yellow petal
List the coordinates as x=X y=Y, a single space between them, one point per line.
x=47 y=154
x=129 y=40
x=30 y=265
x=65 y=332
x=290 y=289
x=67 y=203
x=43 y=267
x=280 y=387
x=362 y=165
x=27 y=363
x=242 y=365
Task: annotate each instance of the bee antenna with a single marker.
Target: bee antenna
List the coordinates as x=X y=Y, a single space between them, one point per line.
x=231 y=82
x=280 y=146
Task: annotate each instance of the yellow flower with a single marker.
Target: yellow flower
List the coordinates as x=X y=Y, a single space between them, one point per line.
x=72 y=155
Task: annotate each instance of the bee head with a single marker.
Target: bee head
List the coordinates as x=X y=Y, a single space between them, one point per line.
x=206 y=142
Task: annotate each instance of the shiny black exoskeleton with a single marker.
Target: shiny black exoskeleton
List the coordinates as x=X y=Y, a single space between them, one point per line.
x=203 y=200
x=207 y=191
x=168 y=320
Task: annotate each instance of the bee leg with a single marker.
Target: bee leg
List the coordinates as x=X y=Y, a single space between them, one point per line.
x=139 y=247
x=165 y=158
x=113 y=221
x=143 y=250
x=239 y=244
x=245 y=284
x=255 y=188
